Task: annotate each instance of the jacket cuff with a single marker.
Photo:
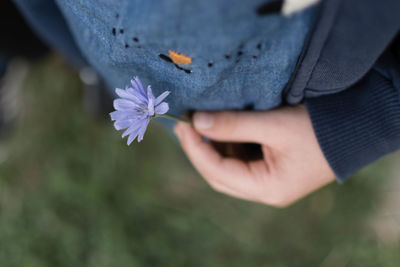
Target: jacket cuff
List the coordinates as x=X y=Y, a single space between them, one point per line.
x=357 y=126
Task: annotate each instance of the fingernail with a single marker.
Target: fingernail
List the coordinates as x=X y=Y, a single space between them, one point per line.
x=203 y=120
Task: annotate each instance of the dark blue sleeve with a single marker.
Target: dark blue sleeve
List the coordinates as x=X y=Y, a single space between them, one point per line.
x=358 y=126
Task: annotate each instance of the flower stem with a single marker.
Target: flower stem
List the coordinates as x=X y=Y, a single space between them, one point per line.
x=167 y=116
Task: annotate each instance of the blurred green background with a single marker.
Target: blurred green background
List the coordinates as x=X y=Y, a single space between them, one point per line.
x=73 y=194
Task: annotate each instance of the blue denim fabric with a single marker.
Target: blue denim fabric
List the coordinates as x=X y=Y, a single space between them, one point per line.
x=263 y=50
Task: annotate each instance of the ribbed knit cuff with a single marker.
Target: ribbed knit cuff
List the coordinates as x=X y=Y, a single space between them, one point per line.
x=357 y=126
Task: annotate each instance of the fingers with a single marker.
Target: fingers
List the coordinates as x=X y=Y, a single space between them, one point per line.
x=250 y=181
x=226 y=175
x=231 y=125
x=292 y=167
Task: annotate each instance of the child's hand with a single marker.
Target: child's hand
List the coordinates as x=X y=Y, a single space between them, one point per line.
x=293 y=163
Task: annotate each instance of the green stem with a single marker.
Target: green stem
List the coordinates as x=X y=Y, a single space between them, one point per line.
x=174 y=118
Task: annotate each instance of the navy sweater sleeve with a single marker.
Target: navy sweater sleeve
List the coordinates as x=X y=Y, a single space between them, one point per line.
x=361 y=124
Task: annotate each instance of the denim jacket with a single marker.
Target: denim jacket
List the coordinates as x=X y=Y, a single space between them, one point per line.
x=241 y=58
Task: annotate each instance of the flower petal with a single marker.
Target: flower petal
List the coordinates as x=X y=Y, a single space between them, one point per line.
x=137 y=85
x=162 y=108
x=133 y=129
x=119 y=125
x=124 y=115
x=124 y=104
x=142 y=130
x=150 y=93
x=141 y=99
x=161 y=97
x=150 y=107
x=132 y=136
x=125 y=94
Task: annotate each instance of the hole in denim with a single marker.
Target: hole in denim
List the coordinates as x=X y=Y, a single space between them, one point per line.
x=272 y=7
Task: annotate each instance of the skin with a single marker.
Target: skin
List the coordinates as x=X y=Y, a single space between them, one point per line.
x=292 y=166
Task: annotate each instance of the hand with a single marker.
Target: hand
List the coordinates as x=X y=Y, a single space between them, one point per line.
x=292 y=166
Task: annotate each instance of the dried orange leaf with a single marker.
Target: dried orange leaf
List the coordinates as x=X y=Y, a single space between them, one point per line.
x=178 y=58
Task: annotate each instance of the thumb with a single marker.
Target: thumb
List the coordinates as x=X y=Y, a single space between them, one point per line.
x=231 y=126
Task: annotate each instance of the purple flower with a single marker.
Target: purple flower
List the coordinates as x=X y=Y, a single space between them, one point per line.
x=135 y=108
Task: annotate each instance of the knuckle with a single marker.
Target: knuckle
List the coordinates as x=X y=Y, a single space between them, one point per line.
x=215 y=186
x=211 y=181
x=276 y=200
x=227 y=121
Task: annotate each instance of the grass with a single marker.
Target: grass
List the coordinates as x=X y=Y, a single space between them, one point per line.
x=73 y=194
